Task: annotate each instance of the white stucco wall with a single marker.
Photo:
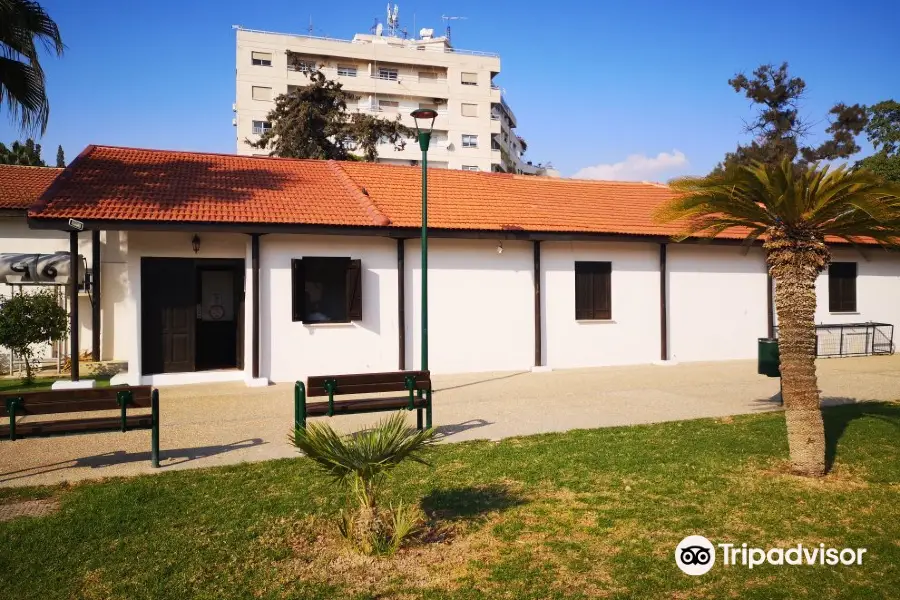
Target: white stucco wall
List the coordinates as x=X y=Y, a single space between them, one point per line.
x=293 y=351
x=16 y=237
x=717 y=301
x=481 y=306
x=631 y=336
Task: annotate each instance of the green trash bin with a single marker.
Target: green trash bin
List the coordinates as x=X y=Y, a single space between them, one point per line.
x=768 y=358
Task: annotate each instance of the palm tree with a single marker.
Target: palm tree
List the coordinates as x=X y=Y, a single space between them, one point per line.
x=362 y=462
x=22 y=86
x=795 y=211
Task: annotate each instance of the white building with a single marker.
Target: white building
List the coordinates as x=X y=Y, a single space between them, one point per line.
x=259 y=269
x=391 y=76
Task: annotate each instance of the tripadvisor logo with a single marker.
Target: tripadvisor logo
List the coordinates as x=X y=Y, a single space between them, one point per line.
x=696 y=555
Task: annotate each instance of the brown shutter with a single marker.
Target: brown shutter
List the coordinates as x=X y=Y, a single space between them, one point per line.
x=354 y=290
x=602 y=291
x=842 y=287
x=583 y=308
x=298 y=290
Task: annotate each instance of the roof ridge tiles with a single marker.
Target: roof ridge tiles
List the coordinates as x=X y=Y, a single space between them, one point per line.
x=365 y=202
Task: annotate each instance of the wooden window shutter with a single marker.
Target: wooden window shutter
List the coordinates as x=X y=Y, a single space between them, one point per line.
x=842 y=287
x=602 y=290
x=583 y=308
x=354 y=290
x=298 y=290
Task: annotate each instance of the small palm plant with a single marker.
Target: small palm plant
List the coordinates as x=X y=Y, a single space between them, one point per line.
x=361 y=462
x=796 y=211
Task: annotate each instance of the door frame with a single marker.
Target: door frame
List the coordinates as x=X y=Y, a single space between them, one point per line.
x=236 y=265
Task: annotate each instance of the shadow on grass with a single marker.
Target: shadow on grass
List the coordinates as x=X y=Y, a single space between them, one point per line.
x=838 y=413
x=469 y=503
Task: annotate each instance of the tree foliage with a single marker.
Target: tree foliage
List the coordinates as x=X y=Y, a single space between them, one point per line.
x=883 y=131
x=60 y=157
x=26 y=155
x=795 y=210
x=313 y=121
x=24 y=27
x=778 y=128
x=27 y=320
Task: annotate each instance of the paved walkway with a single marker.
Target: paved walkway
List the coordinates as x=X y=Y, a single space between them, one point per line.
x=207 y=425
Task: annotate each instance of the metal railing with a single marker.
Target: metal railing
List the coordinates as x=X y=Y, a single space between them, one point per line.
x=853 y=339
x=401 y=46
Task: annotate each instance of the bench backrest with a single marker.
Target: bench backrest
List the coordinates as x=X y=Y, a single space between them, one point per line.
x=49 y=402
x=367 y=383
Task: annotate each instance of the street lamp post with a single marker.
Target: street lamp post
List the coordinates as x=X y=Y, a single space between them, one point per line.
x=424 y=137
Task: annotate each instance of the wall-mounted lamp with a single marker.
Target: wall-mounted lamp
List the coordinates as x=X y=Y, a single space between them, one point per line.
x=499 y=247
x=195 y=243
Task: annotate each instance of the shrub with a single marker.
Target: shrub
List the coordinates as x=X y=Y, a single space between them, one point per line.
x=30 y=319
x=361 y=462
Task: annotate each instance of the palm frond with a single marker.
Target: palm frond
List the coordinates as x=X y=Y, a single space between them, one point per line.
x=365 y=454
x=853 y=205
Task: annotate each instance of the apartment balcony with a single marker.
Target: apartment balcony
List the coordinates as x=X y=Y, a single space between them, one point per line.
x=495 y=125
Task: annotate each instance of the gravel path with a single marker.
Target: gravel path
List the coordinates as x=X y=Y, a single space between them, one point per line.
x=207 y=425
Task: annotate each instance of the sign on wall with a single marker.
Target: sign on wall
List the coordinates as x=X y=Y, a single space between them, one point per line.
x=39 y=269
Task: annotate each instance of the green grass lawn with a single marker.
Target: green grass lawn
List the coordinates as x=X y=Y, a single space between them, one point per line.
x=16 y=384
x=577 y=515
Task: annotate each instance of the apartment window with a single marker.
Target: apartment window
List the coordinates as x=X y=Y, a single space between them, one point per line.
x=301 y=64
x=428 y=106
x=260 y=127
x=387 y=74
x=470 y=168
x=292 y=88
x=346 y=71
x=261 y=59
x=326 y=289
x=842 y=287
x=388 y=105
x=426 y=76
x=469 y=140
x=262 y=93
x=469 y=78
x=593 y=292
x=469 y=110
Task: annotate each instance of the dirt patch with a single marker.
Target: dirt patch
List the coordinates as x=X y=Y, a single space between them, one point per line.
x=28 y=508
x=438 y=557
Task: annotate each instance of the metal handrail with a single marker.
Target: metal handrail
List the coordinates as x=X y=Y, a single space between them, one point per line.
x=404 y=47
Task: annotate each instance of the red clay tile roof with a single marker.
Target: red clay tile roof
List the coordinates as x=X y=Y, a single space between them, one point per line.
x=497 y=201
x=109 y=183
x=130 y=184
x=106 y=183
x=20 y=187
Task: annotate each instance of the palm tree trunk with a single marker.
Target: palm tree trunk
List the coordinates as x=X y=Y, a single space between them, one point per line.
x=795 y=271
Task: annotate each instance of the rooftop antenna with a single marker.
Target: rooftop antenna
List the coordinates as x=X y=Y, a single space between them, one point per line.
x=447 y=20
x=393 y=21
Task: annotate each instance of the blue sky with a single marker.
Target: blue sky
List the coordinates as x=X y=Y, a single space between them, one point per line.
x=636 y=90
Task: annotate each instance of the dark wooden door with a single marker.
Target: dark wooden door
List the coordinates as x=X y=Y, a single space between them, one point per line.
x=168 y=297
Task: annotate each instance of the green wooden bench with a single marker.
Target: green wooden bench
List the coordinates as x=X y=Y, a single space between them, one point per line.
x=52 y=402
x=416 y=384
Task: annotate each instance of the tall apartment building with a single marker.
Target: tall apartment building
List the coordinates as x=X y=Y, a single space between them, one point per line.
x=391 y=75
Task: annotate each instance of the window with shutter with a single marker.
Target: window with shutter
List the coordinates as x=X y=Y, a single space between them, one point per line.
x=261 y=93
x=326 y=289
x=469 y=110
x=261 y=59
x=469 y=78
x=593 y=291
x=842 y=287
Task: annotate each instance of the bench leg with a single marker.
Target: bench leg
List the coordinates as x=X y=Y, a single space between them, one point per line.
x=419 y=419
x=428 y=410
x=154 y=432
x=299 y=405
